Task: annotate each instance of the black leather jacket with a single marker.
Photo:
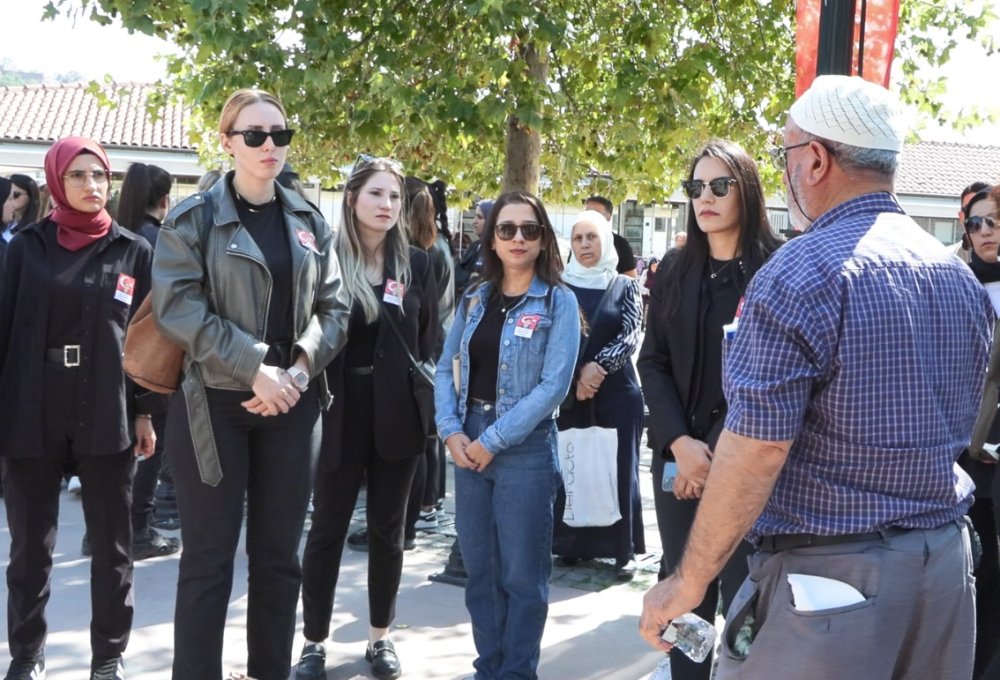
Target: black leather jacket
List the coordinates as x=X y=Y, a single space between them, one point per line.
x=211 y=292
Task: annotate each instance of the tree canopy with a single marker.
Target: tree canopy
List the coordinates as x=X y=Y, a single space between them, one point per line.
x=615 y=92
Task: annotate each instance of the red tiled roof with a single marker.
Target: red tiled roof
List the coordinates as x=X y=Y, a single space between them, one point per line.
x=46 y=113
x=944 y=169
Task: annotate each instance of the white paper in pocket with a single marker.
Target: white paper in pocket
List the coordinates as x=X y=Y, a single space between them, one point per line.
x=813 y=593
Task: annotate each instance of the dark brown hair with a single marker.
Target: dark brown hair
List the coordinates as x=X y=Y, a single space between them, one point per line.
x=757 y=242
x=548 y=266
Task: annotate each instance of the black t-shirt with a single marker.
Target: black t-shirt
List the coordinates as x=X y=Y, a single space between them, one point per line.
x=361 y=335
x=484 y=347
x=626 y=258
x=266 y=225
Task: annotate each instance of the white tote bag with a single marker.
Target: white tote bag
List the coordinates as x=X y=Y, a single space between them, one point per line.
x=588 y=461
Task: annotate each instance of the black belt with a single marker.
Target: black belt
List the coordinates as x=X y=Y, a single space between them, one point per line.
x=360 y=370
x=782 y=542
x=68 y=355
x=482 y=403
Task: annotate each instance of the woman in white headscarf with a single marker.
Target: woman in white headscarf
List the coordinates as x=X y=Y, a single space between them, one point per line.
x=605 y=391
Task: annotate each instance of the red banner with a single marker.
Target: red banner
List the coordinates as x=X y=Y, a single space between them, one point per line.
x=879 y=20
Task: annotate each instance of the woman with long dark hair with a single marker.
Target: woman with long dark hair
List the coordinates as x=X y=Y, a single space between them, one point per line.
x=24 y=203
x=374 y=428
x=514 y=343
x=70 y=285
x=247 y=283
x=143 y=204
x=697 y=291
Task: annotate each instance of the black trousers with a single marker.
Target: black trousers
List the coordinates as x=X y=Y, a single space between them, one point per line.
x=674 y=519
x=31 y=494
x=334 y=498
x=269 y=461
x=147 y=473
x=424 y=490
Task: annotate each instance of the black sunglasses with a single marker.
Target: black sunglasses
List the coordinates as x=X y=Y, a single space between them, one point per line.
x=974 y=224
x=255 y=138
x=530 y=231
x=719 y=186
x=368 y=158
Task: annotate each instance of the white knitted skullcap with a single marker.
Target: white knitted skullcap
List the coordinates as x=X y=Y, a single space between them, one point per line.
x=851 y=110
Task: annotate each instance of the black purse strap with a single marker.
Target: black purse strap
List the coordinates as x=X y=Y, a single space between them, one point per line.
x=387 y=315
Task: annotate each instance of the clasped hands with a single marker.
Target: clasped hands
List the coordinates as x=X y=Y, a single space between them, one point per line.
x=274 y=392
x=694 y=459
x=589 y=381
x=468 y=454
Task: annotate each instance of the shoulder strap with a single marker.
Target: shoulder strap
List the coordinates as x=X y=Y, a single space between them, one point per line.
x=395 y=329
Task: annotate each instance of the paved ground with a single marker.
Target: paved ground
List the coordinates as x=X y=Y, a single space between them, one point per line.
x=590 y=634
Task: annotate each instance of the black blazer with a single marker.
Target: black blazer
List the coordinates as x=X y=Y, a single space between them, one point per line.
x=398 y=433
x=666 y=362
x=24 y=302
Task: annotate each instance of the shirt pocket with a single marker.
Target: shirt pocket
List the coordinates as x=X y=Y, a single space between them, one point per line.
x=539 y=337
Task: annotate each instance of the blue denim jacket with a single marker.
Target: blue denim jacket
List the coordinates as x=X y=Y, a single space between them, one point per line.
x=534 y=373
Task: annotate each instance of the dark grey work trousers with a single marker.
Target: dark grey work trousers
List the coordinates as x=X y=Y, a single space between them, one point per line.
x=269 y=461
x=31 y=494
x=674 y=518
x=917 y=620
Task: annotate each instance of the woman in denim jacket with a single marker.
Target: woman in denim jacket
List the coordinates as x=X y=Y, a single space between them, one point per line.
x=514 y=342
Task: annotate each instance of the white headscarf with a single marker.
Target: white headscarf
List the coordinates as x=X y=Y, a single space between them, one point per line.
x=606 y=268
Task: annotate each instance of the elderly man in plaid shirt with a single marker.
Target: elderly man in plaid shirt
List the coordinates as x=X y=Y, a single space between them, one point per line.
x=853 y=380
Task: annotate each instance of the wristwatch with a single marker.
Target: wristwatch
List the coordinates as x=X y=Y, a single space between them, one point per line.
x=299 y=378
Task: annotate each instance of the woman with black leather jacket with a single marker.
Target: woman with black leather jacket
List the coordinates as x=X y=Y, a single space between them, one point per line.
x=248 y=285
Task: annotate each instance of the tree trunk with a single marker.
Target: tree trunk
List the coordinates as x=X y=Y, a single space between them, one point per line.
x=524 y=145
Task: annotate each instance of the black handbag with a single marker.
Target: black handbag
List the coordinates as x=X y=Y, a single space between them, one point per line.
x=421 y=381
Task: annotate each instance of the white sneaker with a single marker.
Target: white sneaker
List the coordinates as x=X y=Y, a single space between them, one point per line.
x=427 y=520
x=74 y=486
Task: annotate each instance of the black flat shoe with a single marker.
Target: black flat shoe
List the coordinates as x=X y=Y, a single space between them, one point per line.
x=358 y=540
x=385 y=663
x=151 y=543
x=312 y=663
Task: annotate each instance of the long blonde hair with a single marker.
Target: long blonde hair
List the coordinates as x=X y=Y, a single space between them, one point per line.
x=348 y=243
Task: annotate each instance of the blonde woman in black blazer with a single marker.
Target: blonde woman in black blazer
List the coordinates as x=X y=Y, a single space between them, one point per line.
x=373 y=429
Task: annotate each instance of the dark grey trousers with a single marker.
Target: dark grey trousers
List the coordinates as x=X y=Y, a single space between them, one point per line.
x=917 y=621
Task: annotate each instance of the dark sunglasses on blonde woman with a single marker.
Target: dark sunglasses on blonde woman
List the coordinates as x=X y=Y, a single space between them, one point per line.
x=255 y=138
x=530 y=231
x=719 y=186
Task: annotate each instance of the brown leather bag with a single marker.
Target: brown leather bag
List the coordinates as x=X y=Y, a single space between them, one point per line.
x=150 y=359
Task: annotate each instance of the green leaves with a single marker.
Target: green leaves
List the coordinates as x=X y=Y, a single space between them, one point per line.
x=626 y=88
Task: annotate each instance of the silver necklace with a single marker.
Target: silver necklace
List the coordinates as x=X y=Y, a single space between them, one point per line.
x=508 y=302
x=714 y=273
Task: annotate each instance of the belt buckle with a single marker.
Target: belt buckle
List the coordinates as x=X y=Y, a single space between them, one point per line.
x=71 y=356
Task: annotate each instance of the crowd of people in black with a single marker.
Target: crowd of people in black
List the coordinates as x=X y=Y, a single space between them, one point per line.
x=302 y=383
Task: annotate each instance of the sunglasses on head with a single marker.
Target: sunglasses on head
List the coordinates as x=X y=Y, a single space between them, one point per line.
x=719 y=186
x=255 y=138
x=368 y=158
x=530 y=231
x=974 y=224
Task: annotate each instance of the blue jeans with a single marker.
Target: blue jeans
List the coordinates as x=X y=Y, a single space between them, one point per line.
x=504 y=522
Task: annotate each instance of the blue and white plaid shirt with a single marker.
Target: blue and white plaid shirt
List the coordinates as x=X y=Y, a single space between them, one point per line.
x=866 y=342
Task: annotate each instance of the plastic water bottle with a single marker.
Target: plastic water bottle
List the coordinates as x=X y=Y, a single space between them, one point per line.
x=669 y=474
x=692 y=635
